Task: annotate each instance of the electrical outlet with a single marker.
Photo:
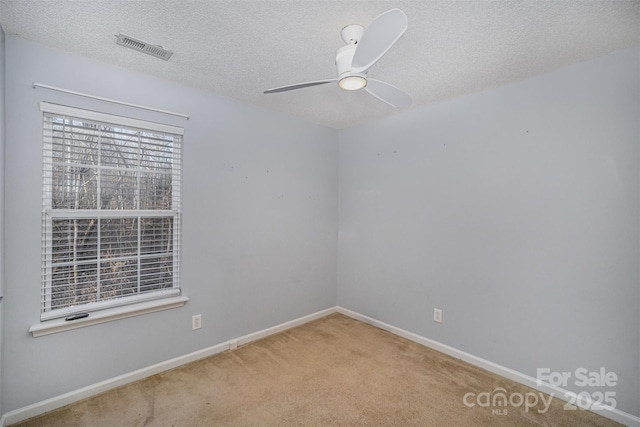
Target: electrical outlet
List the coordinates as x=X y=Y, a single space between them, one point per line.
x=196 y=322
x=437 y=315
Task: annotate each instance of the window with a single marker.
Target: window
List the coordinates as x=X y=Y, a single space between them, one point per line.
x=111 y=211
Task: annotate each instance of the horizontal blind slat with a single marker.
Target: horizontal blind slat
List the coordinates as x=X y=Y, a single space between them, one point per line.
x=62 y=110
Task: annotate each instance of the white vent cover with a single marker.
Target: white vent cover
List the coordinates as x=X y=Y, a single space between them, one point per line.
x=139 y=45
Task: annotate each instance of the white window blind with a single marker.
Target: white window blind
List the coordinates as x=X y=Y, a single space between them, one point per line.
x=111 y=210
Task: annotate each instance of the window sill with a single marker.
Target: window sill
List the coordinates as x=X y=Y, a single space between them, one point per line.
x=108 y=315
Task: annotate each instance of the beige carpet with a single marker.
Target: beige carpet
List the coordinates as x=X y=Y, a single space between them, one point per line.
x=335 y=371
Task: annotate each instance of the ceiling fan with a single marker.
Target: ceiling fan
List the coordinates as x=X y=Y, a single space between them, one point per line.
x=364 y=48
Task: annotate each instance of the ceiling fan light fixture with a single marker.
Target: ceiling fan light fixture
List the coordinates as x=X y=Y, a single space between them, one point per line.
x=364 y=47
x=352 y=82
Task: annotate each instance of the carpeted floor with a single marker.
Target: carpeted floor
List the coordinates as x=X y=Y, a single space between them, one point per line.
x=335 y=371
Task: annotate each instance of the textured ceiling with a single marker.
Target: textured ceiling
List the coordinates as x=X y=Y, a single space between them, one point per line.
x=240 y=48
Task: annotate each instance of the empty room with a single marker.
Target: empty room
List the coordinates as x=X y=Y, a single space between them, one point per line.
x=319 y=213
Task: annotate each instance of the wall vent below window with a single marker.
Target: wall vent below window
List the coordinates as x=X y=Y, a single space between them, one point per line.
x=144 y=47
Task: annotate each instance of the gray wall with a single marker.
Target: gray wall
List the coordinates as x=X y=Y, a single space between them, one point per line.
x=260 y=224
x=2 y=127
x=514 y=210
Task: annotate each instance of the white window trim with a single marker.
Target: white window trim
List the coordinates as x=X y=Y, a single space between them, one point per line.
x=107 y=315
x=110 y=303
x=163 y=300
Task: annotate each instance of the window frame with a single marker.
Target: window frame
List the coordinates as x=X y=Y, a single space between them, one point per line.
x=109 y=306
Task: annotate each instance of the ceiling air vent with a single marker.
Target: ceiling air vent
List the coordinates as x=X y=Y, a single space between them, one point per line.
x=144 y=47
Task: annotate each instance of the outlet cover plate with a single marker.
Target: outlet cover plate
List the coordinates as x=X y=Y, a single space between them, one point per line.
x=437 y=315
x=196 y=322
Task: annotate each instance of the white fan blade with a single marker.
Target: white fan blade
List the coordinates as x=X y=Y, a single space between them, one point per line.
x=299 y=86
x=387 y=93
x=381 y=34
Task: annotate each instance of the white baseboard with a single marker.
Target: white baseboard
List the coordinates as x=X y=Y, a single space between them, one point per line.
x=56 y=402
x=40 y=408
x=613 y=414
x=284 y=326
